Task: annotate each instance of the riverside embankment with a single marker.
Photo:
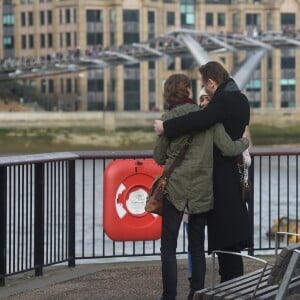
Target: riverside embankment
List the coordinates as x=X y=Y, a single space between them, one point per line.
x=33 y=132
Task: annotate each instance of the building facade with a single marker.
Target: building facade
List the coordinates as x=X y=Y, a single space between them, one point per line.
x=44 y=29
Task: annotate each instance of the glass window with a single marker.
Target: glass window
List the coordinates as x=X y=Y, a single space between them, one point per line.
x=51 y=86
x=130 y=15
x=50 y=40
x=30 y=18
x=8 y=42
x=288 y=19
x=288 y=63
x=23 y=41
x=151 y=85
x=8 y=20
x=42 y=40
x=31 y=41
x=94 y=15
x=75 y=15
x=253 y=19
x=187 y=63
x=69 y=86
x=94 y=38
x=49 y=17
x=131 y=37
x=42 y=17
x=95 y=85
x=221 y=19
x=209 y=19
x=151 y=17
x=68 y=39
x=170 y=18
x=23 y=19
x=68 y=16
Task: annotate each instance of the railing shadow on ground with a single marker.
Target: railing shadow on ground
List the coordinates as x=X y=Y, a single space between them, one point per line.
x=51 y=207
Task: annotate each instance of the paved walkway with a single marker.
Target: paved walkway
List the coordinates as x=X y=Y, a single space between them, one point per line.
x=112 y=281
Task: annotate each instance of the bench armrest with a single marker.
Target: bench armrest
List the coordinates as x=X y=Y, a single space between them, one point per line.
x=238 y=254
x=278 y=233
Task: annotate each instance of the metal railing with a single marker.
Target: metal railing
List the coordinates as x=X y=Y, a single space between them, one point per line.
x=51 y=207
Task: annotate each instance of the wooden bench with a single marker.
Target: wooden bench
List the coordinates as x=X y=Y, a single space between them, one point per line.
x=273 y=281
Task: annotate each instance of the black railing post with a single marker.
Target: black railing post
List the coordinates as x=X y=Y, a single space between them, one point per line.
x=251 y=204
x=71 y=214
x=39 y=219
x=3 y=195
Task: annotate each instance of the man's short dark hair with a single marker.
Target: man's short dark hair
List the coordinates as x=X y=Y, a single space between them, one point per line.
x=215 y=71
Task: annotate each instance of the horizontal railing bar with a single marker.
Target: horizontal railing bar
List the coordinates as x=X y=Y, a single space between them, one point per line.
x=59 y=156
x=36 y=158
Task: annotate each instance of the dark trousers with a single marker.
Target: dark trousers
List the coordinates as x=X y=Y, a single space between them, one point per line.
x=196 y=236
x=171 y=220
x=230 y=266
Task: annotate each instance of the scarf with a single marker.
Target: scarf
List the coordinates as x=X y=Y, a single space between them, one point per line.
x=181 y=101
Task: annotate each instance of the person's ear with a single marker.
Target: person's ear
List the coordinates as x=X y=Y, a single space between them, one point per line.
x=210 y=83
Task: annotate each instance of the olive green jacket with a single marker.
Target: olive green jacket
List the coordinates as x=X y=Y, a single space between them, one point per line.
x=191 y=183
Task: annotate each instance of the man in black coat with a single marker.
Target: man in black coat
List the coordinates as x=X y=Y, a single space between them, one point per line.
x=228 y=223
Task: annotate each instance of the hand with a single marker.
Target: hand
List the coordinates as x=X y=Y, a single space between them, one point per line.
x=158 y=127
x=246 y=133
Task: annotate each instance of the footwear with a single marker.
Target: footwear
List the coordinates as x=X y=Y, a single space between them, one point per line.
x=191 y=294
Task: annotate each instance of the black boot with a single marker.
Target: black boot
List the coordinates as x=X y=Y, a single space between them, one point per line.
x=191 y=294
x=190 y=281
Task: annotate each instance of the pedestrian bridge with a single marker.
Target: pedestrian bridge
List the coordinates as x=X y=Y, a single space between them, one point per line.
x=181 y=42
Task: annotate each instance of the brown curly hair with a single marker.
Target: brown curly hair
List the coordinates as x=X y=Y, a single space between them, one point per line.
x=176 y=87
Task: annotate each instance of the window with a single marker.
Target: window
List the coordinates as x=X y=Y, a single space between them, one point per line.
x=253 y=20
x=8 y=42
x=30 y=41
x=95 y=85
x=42 y=41
x=131 y=37
x=51 y=86
x=50 y=40
x=23 y=41
x=151 y=17
x=221 y=19
x=94 y=15
x=23 y=19
x=49 y=17
x=151 y=85
x=187 y=15
x=68 y=39
x=288 y=63
x=130 y=15
x=8 y=20
x=288 y=19
x=43 y=86
x=187 y=63
x=42 y=17
x=209 y=19
x=69 y=86
x=68 y=16
x=94 y=38
x=75 y=15
x=170 y=18
x=30 y=18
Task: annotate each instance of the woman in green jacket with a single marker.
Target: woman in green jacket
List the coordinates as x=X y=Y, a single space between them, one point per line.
x=189 y=186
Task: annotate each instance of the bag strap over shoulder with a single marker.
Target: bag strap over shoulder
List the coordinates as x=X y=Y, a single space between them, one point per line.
x=179 y=157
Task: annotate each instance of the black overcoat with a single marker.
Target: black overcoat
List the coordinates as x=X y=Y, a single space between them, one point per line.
x=228 y=223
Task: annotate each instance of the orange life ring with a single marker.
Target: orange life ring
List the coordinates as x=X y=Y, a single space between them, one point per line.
x=126 y=185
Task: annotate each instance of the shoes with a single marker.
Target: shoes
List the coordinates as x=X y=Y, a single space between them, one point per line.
x=191 y=294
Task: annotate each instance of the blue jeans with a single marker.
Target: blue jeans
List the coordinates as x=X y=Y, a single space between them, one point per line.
x=171 y=220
